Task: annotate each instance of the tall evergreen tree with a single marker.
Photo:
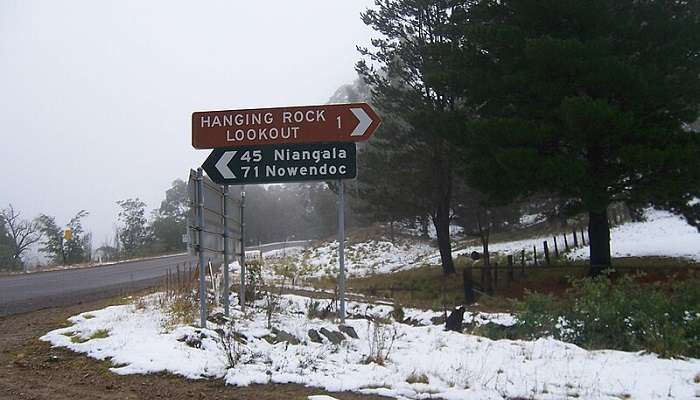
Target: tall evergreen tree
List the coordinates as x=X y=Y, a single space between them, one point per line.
x=393 y=179
x=408 y=86
x=589 y=100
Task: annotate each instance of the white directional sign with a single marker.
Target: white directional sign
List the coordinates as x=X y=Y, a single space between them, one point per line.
x=282 y=163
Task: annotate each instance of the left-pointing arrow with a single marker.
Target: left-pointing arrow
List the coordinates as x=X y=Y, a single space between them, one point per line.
x=222 y=165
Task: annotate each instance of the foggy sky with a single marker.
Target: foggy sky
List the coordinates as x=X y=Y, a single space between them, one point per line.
x=96 y=96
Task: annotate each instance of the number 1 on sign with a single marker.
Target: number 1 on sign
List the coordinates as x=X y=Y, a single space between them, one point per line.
x=338 y=121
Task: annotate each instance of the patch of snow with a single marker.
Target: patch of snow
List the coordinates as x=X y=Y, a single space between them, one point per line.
x=366 y=258
x=531 y=219
x=662 y=234
x=457 y=366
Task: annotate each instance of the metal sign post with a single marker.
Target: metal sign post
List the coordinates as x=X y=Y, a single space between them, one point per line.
x=226 y=252
x=241 y=294
x=200 y=228
x=341 y=250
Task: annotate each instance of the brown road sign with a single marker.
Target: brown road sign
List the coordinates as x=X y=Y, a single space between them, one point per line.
x=306 y=124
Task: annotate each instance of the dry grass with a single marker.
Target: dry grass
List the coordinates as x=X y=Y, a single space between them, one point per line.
x=428 y=287
x=99 y=334
x=417 y=378
x=697 y=378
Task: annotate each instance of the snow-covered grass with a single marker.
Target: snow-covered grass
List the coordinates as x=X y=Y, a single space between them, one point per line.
x=662 y=234
x=364 y=258
x=423 y=361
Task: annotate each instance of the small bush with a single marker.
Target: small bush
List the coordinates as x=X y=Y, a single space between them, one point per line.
x=397 y=313
x=314 y=310
x=231 y=343
x=624 y=315
x=416 y=378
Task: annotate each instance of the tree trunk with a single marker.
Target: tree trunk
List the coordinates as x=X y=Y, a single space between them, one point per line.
x=442 y=227
x=424 y=221
x=599 y=240
x=391 y=231
x=442 y=197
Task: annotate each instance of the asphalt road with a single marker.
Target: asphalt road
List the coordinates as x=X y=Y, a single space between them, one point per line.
x=29 y=292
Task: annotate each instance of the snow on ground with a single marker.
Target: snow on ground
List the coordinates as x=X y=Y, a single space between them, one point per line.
x=374 y=256
x=286 y=252
x=439 y=364
x=662 y=234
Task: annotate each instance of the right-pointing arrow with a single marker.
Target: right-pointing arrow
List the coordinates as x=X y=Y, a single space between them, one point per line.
x=222 y=165
x=365 y=122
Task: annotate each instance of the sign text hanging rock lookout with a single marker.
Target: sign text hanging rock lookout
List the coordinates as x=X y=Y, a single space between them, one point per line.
x=284 y=125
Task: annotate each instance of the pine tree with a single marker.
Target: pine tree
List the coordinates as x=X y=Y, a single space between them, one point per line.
x=409 y=87
x=588 y=100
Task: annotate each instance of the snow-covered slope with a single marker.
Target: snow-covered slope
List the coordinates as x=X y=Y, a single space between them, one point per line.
x=662 y=234
x=422 y=362
x=374 y=256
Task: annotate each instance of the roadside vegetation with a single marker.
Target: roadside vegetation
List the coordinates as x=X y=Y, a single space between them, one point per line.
x=607 y=312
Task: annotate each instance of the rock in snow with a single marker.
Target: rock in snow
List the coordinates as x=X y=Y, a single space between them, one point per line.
x=314 y=336
x=348 y=330
x=335 y=337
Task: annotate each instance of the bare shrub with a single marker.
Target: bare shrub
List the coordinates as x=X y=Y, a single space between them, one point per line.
x=381 y=339
x=231 y=344
x=272 y=305
x=314 y=309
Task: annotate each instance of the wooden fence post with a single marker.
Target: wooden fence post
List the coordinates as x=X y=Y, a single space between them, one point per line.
x=534 y=250
x=510 y=270
x=468 y=282
x=583 y=238
x=522 y=263
x=566 y=243
x=575 y=239
x=546 y=253
x=556 y=247
x=495 y=275
x=483 y=276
